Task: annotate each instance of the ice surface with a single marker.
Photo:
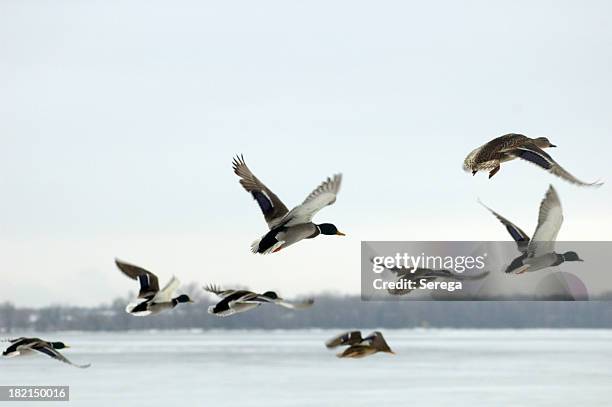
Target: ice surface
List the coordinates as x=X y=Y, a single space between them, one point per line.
x=293 y=368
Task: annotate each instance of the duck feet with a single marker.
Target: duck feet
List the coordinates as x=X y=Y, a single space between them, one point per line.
x=493 y=171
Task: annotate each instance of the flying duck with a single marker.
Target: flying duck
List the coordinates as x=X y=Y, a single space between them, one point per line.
x=359 y=347
x=237 y=301
x=26 y=346
x=288 y=226
x=510 y=146
x=539 y=252
x=428 y=275
x=155 y=300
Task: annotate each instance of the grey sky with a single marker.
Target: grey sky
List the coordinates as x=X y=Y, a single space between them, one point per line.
x=119 y=120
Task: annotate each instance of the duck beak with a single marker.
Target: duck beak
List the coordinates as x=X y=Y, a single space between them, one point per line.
x=391 y=352
x=552 y=145
x=66 y=347
x=340 y=233
x=278 y=249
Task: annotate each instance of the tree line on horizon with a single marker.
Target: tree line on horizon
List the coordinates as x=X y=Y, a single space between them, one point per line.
x=329 y=311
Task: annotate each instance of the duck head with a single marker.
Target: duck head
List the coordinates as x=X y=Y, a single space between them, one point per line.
x=543 y=142
x=59 y=345
x=329 y=229
x=571 y=256
x=183 y=298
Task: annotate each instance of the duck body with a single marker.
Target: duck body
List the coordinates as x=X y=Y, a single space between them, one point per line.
x=357 y=352
x=235 y=302
x=238 y=301
x=524 y=263
x=151 y=307
x=284 y=236
x=491 y=155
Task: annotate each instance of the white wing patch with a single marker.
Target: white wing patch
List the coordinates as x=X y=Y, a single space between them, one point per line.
x=166 y=293
x=549 y=223
x=324 y=195
x=133 y=305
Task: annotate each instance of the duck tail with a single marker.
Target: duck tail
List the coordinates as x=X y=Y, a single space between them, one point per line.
x=255 y=245
x=275 y=247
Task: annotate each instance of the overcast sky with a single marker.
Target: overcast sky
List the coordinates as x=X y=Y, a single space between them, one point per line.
x=119 y=120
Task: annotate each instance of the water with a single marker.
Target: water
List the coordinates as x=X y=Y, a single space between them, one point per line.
x=293 y=368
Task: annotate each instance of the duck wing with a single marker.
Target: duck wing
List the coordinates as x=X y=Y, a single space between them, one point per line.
x=48 y=350
x=215 y=289
x=324 y=195
x=294 y=305
x=245 y=297
x=271 y=206
x=534 y=154
x=549 y=223
x=166 y=293
x=149 y=285
x=521 y=238
x=377 y=341
x=347 y=338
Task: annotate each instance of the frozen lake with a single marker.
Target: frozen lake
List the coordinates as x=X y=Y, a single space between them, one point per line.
x=293 y=368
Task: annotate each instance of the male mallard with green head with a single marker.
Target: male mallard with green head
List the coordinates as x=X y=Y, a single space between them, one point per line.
x=26 y=346
x=288 y=227
x=154 y=299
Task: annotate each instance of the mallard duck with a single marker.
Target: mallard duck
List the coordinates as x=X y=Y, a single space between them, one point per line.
x=237 y=301
x=511 y=146
x=288 y=227
x=539 y=252
x=155 y=300
x=359 y=347
x=25 y=346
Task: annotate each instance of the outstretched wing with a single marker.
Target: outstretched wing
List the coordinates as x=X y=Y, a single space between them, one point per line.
x=324 y=195
x=271 y=206
x=49 y=351
x=166 y=293
x=549 y=223
x=534 y=154
x=347 y=338
x=215 y=289
x=149 y=285
x=521 y=238
x=295 y=305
